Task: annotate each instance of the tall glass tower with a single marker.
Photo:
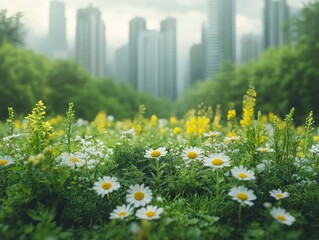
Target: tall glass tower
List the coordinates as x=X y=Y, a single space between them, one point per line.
x=220 y=36
x=276 y=17
x=57 y=43
x=90 y=49
x=136 y=26
x=168 y=56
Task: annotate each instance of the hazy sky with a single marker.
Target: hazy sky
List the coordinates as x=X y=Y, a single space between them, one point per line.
x=190 y=15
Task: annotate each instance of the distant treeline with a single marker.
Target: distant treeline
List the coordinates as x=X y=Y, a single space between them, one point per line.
x=26 y=77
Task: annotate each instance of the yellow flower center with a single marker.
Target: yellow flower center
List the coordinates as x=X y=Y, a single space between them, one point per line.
x=106 y=185
x=192 y=155
x=139 y=196
x=242 y=175
x=279 y=195
x=155 y=153
x=74 y=160
x=150 y=213
x=264 y=149
x=122 y=214
x=281 y=217
x=3 y=162
x=242 y=196
x=217 y=161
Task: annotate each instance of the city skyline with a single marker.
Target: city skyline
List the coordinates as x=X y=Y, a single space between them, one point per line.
x=190 y=16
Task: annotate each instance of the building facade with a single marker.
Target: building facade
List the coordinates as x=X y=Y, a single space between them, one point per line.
x=136 y=25
x=196 y=63
x=220 y=36
x=57 y=41
x=249 y=48
x=122 y=64
x=276 y=23
x=152 y=58
x=168 y=59
x=149 y=43
x=90 y=47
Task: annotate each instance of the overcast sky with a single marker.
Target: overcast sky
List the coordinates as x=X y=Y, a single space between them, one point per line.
x=190 y=15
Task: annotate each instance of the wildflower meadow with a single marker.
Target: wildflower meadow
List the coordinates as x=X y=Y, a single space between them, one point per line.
x=213 y=174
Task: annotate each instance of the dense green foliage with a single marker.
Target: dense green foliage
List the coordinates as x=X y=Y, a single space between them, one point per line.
x=284 y=77
x=26 y=77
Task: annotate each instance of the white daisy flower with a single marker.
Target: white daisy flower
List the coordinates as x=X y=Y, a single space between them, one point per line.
x=242 y=195
x=110 y=118
x=282 y=216
x=6 y=161
x=242 y=173
x=314 y=149
x=219 y=160
x=121 y=212
x=106 y=185
x=149 y=212
x=138 y=195
x=156 y=153
x=212 y=134
x=278 y=194
x=192 y=153
x=265 y=150
x=73 y=160
x=128 y=132
x=231 y=139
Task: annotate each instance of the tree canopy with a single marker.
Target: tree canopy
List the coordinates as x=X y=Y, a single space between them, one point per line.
x=11 y=28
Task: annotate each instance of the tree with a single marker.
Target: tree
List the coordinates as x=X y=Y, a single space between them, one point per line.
x=67 y=81
x=23 y=79
x=11 y=28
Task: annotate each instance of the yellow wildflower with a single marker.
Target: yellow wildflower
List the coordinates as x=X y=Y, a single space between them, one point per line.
x=154 y=121
x=172 y=120
x=177 y=130
x=249 y=103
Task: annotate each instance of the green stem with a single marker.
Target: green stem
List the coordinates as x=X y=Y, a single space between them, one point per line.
x=239 y=215
x=217 y=183
x=158 y=177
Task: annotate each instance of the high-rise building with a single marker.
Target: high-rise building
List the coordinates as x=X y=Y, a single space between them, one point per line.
x=249 y=48
x=197 y=57
x=136 y=25
x=196 y=63
x=57 y=42
x=220 y=35
x=90 y=49
x=168 y=78
x=152 y=57
x=276 y=20
x=122 y=64
x=148 y=62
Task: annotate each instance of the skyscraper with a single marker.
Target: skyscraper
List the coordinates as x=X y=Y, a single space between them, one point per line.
x=220 y=36
x=198 y=58
x=276 y=17
x=152 y=57
x=168 y=78
x=90 y=49
x=148 y=74
x=136 y=25
x=122 y=63
x=250 y=48
x=57 y=43
x=196 y=63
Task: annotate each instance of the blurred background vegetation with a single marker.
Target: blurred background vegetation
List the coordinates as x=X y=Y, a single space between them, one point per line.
x=284 y=77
